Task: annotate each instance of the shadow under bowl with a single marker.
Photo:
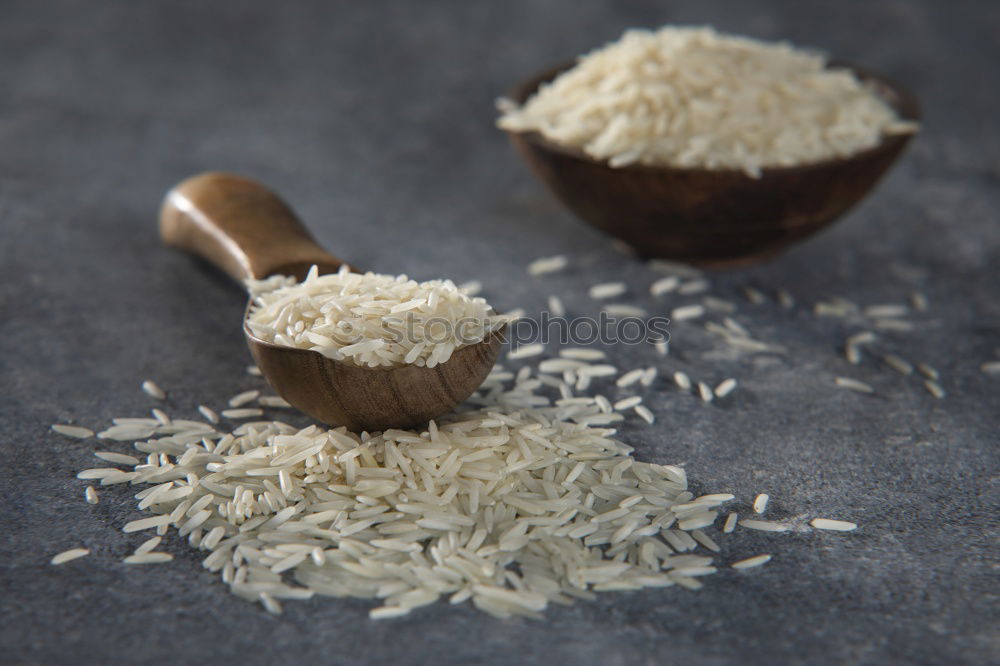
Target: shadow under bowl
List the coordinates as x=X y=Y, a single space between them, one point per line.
x=711 y=217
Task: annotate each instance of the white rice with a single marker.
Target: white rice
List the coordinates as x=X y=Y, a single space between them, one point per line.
x=526 y=351
x=161 y=416
x=725 y=387
x=736 y=328
x=664 y=285
x=730 y=524
x=582 y=354
x=601 y=370
x=209 y=414
x=862 y=338
x=69 y=555
x=90 y=495
x=471 y=288
x=645 y=414
x=686 y=312
x=77 y=432
x=990 y=367
x=146 y=523
x=243 y=413
x=556 y=306
x=692 y=287
x=369 y=319
x=691 y=97
x=682 y=380
x=623 y=310
x=119 y=458
x=834 y=525
x=254 y=371
x=273 y=401
x=515 y=501
x=853 y=354
x=898 y=363
x=244 y=398
x=899 y=325
x=718 y=304
x=755 y=296
x=853 y=385
x=928 y=372
x=750 y=562
x=148 y=558
x=764 y=525
x=561 y=365
x=548 y=265
x=630 y=377
x=148 y=545
x=705 y=391
x=607 y=290
x=934 y=388
x=674 y=268
x=886 y=311
x=627 y=403
x=410 y=516
x=152 y=390
x=760 y=503
x=386 y=612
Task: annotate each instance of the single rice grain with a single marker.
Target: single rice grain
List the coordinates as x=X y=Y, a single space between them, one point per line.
x=69 y=555
x=77 y=432
x=833 y=525
x=152 y=390
x=750 y=562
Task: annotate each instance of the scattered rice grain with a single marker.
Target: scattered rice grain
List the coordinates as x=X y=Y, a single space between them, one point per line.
x=152 y=390
x=69 y=555
x=853 y=385
x=834 y=525
x=548 y=265
x=77 y=432
x=751 y=562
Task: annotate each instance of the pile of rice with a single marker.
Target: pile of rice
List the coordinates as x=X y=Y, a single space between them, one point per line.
x=522 y=497
x=691 y=97
x=369 y=319
x=521 y=500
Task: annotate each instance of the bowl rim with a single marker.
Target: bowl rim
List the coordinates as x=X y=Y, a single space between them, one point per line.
x=901 y=100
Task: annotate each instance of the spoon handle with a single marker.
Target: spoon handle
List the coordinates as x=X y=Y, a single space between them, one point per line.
x=241 y=227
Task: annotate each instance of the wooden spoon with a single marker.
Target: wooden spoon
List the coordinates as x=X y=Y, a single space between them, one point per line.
x=250 y=233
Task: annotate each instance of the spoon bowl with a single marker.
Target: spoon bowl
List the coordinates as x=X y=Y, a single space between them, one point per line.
x=246 y=230
x=711 y=217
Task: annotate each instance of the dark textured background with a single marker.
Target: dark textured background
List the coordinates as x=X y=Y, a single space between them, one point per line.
x=376 y=121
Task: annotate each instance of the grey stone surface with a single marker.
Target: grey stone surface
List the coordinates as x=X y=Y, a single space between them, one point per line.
x=375 y=119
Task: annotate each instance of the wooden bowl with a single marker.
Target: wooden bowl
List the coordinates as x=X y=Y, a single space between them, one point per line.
x=711 y=217
x=249 y=232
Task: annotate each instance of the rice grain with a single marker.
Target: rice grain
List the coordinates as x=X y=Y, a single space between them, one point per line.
x=751 y=562
x=69 y=555
x=77 y=432
x=152 y=390
x=833 y=525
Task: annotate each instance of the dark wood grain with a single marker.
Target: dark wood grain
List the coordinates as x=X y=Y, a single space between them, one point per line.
x=710 y=217
x=249 y=232
x=241 y=227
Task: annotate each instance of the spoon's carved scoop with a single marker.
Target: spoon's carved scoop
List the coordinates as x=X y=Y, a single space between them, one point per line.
x=248 y=232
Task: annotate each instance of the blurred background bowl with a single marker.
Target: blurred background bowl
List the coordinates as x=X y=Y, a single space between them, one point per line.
x=711 y=217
